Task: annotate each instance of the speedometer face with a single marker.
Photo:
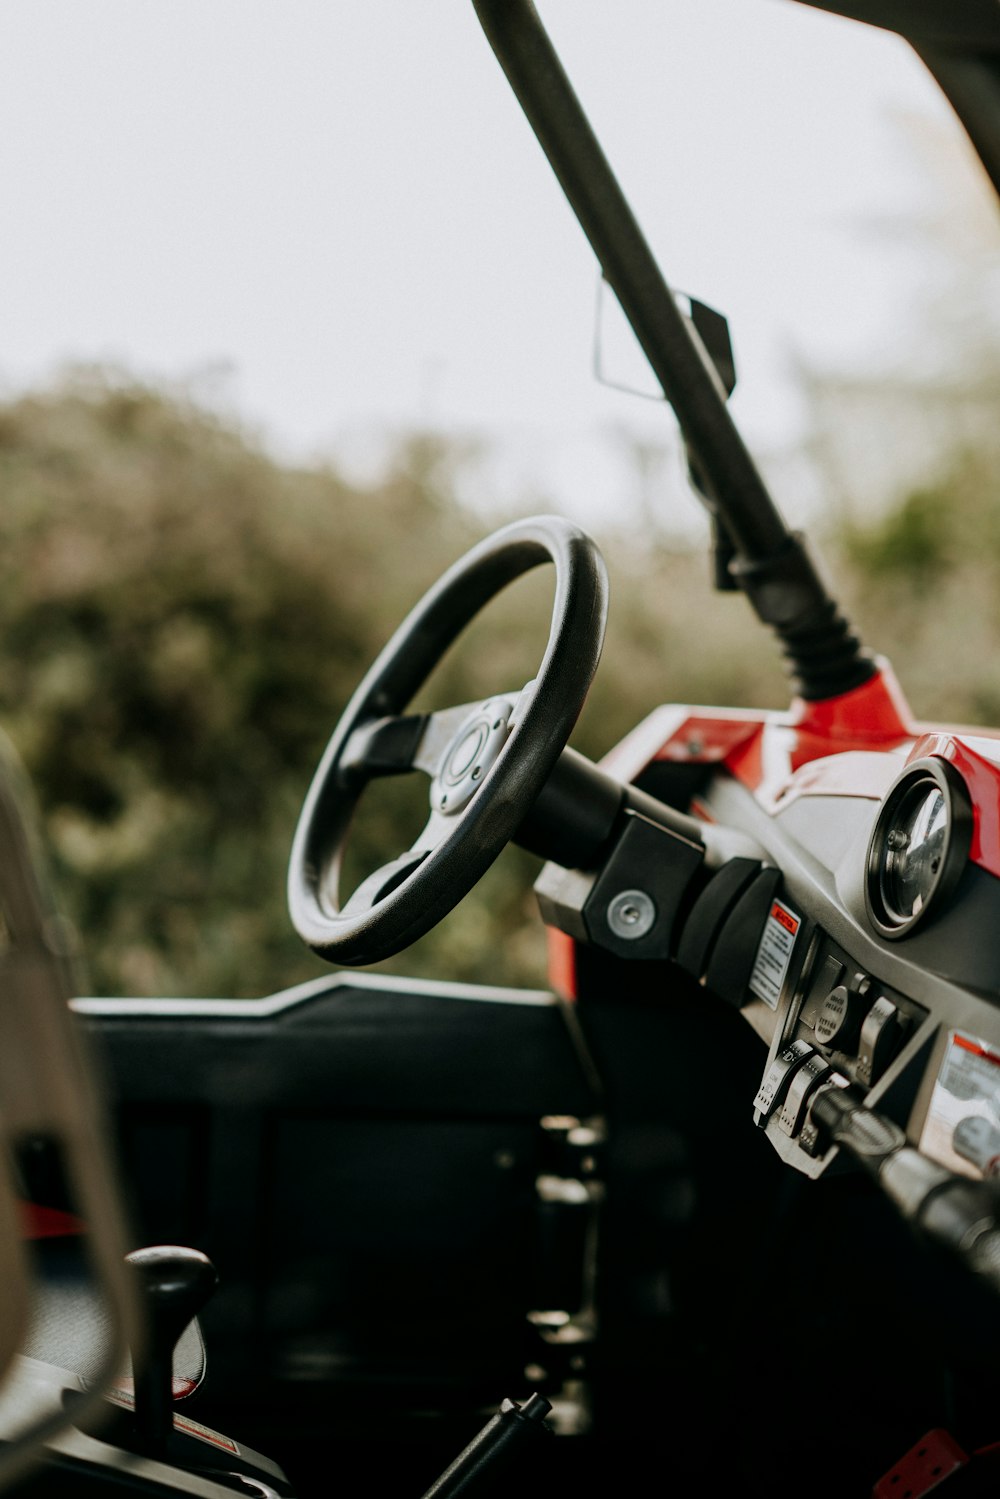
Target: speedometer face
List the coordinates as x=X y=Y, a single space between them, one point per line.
x=914 y=852
x=919 y=846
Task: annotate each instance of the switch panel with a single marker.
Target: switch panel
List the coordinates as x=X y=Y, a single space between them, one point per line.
x=856 y=1023
x=847 y=1030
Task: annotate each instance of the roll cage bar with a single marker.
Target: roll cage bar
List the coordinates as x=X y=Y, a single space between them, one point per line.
x=755 y=549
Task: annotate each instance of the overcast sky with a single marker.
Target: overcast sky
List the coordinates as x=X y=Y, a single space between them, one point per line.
x=333 y=217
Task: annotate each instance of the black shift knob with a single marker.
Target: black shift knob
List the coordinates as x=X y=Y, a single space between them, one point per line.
x=175 y=1284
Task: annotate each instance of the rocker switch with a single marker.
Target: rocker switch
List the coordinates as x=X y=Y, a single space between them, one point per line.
x=814 y=1070
x=879 y=1035
x=813 y=1140
x=777 y=1078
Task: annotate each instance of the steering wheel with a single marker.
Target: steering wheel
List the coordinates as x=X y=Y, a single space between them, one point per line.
x=487 y=761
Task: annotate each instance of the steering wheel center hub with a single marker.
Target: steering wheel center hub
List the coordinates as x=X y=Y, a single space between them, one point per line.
x=471 y=753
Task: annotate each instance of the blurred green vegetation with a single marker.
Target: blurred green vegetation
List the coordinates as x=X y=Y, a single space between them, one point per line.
x=182 y=619
x=922 y=578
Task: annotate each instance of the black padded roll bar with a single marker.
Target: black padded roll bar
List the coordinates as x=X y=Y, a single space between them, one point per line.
x=771 y=563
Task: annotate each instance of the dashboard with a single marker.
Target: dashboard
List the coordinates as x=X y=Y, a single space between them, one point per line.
x=851 y=923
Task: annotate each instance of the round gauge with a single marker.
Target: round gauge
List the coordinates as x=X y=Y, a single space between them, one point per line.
x=919 y=847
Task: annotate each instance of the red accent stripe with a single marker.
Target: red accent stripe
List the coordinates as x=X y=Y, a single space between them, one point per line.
x=977 y=1050
x=49 y=1223
x=181 y=1385
x=205 y=1434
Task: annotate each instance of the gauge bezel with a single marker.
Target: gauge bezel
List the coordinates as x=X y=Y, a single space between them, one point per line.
x=935 y=774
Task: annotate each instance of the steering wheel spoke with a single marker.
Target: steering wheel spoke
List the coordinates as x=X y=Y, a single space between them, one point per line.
x=440 y=728
x=401 y=742
x=389 y=876
x=383 y=881
x=386 y=746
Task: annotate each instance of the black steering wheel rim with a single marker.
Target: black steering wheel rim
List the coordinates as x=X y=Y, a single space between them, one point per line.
x=546 y=716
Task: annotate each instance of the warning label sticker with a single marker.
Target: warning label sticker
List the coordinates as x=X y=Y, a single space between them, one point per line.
x=774 y=953
x=962 y=1128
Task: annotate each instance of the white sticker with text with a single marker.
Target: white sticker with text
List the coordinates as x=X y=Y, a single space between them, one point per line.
x=774 y=953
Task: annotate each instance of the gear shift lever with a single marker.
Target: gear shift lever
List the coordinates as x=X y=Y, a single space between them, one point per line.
x=176 y=1282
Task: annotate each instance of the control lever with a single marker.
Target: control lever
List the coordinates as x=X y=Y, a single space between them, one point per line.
x=502 y=1436
x=176 y=1283
x=956 y=1212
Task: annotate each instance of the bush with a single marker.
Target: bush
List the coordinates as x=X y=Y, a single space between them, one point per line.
x=182 y=620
